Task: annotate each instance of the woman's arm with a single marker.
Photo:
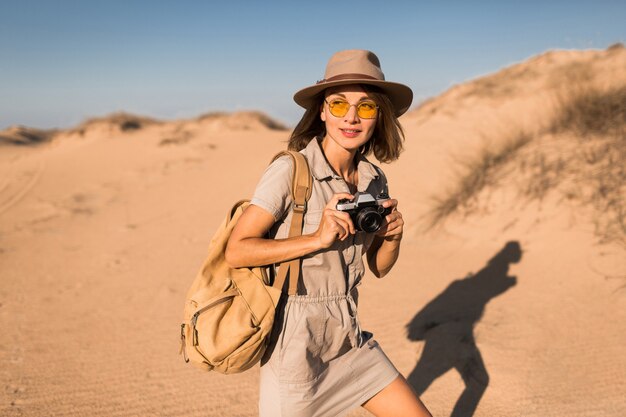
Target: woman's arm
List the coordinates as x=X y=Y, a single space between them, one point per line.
x=385 y=249
x=248 y=247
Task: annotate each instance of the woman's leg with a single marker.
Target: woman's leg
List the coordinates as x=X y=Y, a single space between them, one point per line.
x=396 y=400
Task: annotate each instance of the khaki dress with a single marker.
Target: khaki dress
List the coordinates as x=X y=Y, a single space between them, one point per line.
x=319 y=362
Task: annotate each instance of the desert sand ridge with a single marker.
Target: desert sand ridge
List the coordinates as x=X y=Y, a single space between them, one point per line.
x=123 y=122
x=22 y=135
x=510 y=305
x=534 y=79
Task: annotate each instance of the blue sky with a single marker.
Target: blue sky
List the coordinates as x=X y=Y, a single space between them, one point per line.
x=63 y=61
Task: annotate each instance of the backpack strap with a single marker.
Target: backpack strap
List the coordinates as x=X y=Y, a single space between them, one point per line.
x=301 y=187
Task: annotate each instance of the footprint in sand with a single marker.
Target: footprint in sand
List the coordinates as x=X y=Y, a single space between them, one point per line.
x=80 y=203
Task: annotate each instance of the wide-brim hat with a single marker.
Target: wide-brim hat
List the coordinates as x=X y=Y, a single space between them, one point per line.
x=356 y=66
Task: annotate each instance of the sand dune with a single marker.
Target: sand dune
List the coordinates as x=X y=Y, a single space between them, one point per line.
x=103 y=227
x=21 y=135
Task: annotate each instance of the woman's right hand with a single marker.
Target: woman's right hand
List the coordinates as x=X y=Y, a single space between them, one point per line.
x=334 y=225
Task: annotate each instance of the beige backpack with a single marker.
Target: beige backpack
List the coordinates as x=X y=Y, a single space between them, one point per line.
x=229 y=312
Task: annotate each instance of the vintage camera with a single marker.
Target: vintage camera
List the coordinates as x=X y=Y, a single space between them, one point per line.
x=365 y=210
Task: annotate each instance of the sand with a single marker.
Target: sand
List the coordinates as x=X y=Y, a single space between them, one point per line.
x=102 y=230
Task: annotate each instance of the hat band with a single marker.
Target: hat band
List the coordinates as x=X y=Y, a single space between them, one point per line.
x=347 y=77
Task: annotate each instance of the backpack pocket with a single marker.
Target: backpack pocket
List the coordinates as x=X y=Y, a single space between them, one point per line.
x=220 y=324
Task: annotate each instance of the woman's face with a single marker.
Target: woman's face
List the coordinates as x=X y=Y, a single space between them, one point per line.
x=349 y=131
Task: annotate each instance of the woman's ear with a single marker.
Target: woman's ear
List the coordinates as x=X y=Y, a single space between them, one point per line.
x=322 y=113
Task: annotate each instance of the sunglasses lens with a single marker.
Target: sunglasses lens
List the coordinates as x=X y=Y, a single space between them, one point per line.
x=339 y=108
x=366 y=110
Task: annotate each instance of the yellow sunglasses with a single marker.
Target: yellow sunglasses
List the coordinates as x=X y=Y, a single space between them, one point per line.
x=365 y=109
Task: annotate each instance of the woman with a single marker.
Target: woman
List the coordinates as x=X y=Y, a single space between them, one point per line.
x=320 y=363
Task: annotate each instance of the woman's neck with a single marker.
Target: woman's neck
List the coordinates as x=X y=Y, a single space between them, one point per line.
x=340 y=159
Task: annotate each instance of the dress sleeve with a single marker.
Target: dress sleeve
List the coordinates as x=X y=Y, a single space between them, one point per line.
x=273 y=192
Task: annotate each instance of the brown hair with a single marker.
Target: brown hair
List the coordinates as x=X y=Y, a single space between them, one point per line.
x=385 y=143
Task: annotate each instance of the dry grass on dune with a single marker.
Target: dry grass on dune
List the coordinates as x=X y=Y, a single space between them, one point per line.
x=125 y=122
x=243 y=120
x=25 y=136
x=580 y=156
x=597 y=172
x=593 y=112
x=474 y=176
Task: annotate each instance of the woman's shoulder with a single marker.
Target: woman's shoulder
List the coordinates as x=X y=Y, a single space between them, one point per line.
x=273 y=191
x=375 y=170
x=378 y=181
x=279 y=168
x=381 y=175
x=283 y=162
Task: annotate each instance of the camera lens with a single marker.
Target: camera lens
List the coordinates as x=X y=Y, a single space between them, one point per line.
x=369 y=220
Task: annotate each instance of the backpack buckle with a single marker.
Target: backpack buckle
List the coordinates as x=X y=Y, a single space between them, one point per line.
x=299 y=208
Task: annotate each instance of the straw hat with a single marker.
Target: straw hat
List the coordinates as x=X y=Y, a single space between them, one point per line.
x=356 y=66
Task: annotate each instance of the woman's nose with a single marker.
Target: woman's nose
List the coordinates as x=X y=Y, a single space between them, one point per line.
x=352 y=115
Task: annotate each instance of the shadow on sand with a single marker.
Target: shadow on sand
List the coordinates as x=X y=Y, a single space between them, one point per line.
x=446 y=325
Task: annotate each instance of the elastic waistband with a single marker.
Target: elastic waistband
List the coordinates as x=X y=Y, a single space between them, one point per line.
x=304 y=299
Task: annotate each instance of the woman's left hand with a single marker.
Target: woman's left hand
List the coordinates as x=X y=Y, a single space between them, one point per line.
x=393 y=223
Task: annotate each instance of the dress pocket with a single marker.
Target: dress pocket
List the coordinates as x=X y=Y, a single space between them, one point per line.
x=312 y=221
x=300 y=350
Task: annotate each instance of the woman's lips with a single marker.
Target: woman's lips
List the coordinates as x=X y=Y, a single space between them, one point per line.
x=350 y=133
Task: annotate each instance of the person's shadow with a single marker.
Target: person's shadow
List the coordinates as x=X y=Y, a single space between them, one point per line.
x=446 y=325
